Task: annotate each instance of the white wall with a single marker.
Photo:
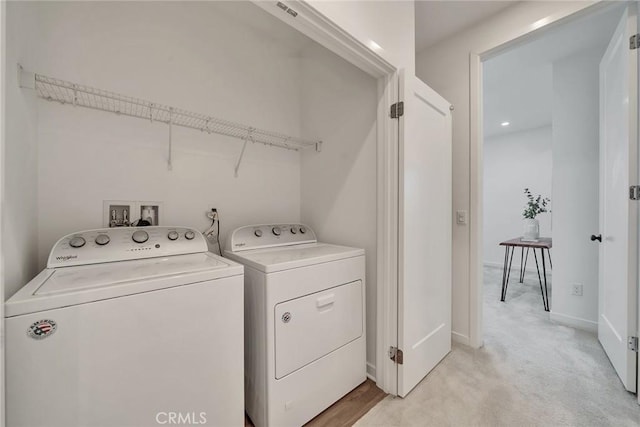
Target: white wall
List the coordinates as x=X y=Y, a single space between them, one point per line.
x=445 y=67
x=513 y=162
x=20 y=214
x=339 y=184
x=390 y=24
x=575 y=188
x=208 y=57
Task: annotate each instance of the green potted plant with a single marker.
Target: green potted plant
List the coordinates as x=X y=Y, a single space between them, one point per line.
x=534 y=207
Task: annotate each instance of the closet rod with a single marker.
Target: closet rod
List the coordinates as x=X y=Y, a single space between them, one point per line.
x=52 y=89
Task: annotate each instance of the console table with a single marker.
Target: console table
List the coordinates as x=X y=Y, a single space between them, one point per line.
x=510 y=246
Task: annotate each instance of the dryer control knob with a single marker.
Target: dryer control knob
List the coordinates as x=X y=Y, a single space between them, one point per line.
x=77 y=242
x=102 y=239
x=293 y=230
x=258 y=233
x=173 y=235
x=303 y=230
x=189 y=235
x=276 y=231
x=140 y=236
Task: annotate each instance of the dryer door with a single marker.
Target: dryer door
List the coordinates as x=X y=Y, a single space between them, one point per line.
x=312 y=326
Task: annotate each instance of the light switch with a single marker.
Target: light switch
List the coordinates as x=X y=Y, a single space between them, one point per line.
x=461 y=217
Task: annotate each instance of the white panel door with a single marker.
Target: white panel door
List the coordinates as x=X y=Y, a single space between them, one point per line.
x=618 y=282
x=424 y=287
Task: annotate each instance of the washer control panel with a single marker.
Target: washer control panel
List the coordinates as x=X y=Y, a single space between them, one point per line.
x=124 y=243
x=270 y=235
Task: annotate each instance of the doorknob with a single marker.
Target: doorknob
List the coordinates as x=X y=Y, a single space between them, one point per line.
x=598 y=238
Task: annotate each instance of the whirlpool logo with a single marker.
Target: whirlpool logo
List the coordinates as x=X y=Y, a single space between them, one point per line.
x=66 y=257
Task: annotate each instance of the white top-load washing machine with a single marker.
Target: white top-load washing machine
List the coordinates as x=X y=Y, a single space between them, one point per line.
x=304 y=322
x=127 y=327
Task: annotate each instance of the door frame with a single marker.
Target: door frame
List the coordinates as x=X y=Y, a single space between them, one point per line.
x=476 y=59
x=321 y=29
x=3 y=51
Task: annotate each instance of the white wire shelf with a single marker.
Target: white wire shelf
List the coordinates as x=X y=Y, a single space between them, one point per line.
x=52 y=89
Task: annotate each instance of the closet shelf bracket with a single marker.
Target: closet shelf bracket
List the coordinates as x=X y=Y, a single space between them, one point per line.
x=244 y=147
x=170 y=157
x=26 y=80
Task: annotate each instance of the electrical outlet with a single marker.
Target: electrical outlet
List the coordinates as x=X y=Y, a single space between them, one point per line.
x=576 y=289
x=213 y=214
x=212 y=232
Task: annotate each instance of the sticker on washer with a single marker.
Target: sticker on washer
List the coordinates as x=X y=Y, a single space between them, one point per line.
x=42 y=329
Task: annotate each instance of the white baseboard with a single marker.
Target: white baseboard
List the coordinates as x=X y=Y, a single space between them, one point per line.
x=574 y=322
x=371 y=372
x=459 y=338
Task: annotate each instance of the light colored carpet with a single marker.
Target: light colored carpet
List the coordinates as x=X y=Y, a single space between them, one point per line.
x=530 y=372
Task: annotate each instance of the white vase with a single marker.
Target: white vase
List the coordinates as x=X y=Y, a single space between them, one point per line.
x=531 y=229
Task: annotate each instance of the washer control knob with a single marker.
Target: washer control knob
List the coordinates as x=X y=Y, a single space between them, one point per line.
x=303 y=230
x=77 y=242
x=189 y=235
x=293 y=230
x=258 y=233
x=173 y=235
x=276 y=231
x=102 y=239
x=140 y=236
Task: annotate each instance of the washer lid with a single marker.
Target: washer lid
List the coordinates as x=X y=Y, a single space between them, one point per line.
x=288 y=257
x=65 y=286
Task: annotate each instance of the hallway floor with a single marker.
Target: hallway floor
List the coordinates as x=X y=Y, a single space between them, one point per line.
x=530 y=371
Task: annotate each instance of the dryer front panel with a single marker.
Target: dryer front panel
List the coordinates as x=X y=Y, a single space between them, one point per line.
x=312 y=326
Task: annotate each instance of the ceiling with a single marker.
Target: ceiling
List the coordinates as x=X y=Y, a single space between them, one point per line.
x=438 y=20
x=518 y=84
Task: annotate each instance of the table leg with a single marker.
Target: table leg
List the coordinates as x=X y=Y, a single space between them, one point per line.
x=544 y=301
x=513 y=249
x=546 y=291
x=549 y=253
x=521 y=261
x=523 y=268
x=504 y=273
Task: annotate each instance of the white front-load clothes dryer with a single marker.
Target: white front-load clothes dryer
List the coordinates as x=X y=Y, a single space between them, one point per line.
x=304 y=322
x=127 y=327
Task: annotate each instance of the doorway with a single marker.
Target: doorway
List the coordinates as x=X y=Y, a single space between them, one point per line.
x=541 y=163
x=541 y=109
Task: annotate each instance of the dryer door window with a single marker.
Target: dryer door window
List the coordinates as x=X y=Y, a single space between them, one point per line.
x=310 y=327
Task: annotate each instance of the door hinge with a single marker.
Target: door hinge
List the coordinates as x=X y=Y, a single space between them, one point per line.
x=397 y=110
x=396 y=355
x=634 y=41
x=632 y=343
x=634 y=192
